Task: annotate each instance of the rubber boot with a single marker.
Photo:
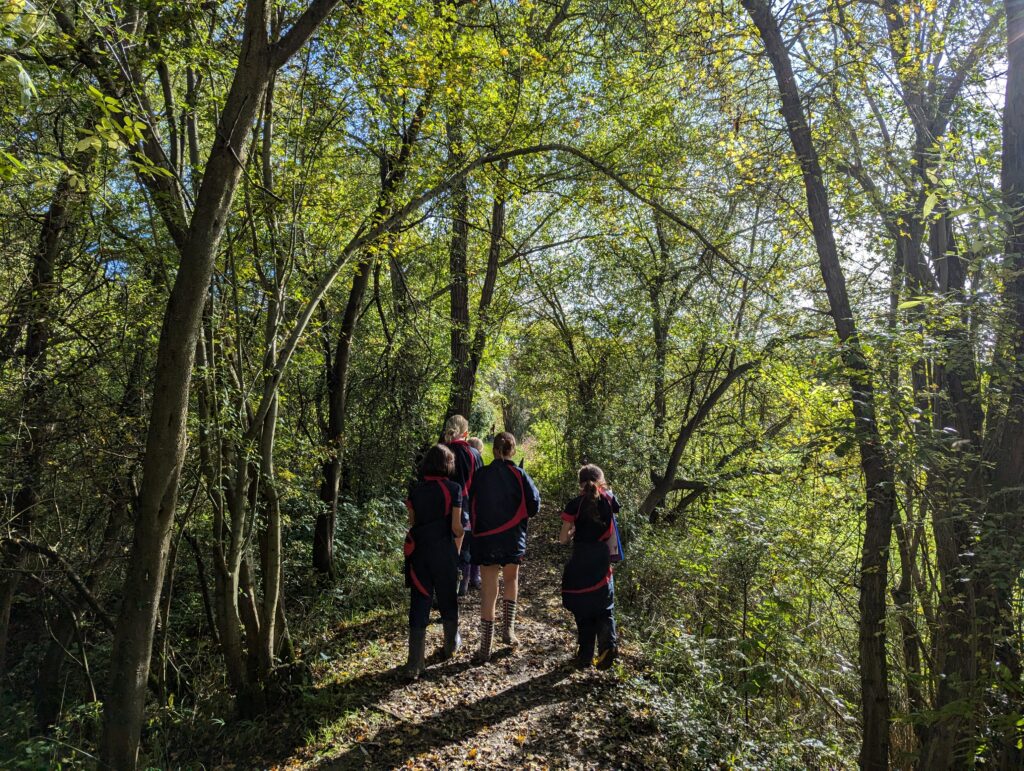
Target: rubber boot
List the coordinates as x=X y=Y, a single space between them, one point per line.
x=474 y=576
x=483 y=653
x=508 y=625
x=416 y=664
x=584 y=645
x=464 y=582
x=452 y=638
x=607 y=645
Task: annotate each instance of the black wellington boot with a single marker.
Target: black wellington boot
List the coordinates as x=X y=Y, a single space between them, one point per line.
x=416 y=664
x=607 y=645
x=452 y=638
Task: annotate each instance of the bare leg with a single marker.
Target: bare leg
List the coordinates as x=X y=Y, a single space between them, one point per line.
x=489 y=591
x=488 y=598
x=511 y=575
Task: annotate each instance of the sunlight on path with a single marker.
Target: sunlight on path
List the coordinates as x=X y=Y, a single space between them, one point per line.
x=527 y=708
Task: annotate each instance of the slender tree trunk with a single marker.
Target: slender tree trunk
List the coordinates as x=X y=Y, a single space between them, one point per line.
x=392 y=174
x=165 y=444
x=460 y=397
x=877 y=470
x=337 y=398
x=665 y=484
x=496 y=237
x=38 y=312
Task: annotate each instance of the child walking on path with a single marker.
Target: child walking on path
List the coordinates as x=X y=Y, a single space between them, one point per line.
x=587 y=587
x=431 y=555
x=467 y=462
x=501 y=501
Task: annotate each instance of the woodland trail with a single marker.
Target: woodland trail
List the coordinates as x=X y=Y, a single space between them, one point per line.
x=527 y=708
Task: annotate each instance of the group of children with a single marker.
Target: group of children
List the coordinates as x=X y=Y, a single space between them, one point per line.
x=463 y=513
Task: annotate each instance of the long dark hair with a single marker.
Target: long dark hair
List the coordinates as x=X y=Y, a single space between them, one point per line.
x=438 y=462
x=592 y=482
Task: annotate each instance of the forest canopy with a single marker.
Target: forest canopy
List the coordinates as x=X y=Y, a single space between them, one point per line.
x=762 y=262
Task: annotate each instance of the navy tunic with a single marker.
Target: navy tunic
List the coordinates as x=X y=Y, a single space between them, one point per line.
x=430 y=556
x=587 y=579
x=467 y=463
x=501 y=501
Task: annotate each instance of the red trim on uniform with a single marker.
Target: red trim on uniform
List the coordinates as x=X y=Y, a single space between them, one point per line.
x=603 y=582
x=416 y=582
x=472 y=462
x=519 y=517
x=567 y=517
x=447 y=496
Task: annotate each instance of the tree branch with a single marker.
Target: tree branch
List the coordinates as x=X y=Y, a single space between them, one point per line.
x=301 y=31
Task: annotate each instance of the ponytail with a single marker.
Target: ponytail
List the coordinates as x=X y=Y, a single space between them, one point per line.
x=592 y=482
x=455 y=427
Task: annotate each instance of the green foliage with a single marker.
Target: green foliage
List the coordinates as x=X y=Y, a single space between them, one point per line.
x=627 y=287
x=369 y=555
x=64 y=747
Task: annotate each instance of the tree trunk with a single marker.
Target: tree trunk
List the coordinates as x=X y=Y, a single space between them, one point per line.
x=1003 y=531
x=664 y=485
x=37 y=312
x=878 y=474
x=392 y=173
x=460 y=397
x=165 y=443
x=496 y=236
x=337 y=397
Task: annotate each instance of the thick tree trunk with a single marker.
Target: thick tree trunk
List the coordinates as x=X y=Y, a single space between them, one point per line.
x=878 y=474
x=1003 y=529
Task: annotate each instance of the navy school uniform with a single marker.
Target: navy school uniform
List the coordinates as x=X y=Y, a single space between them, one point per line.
x=587 y=587
x=501 y=501
x=467 y=462
x=431 y=562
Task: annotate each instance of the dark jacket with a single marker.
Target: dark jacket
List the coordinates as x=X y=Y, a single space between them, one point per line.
x=501 y=501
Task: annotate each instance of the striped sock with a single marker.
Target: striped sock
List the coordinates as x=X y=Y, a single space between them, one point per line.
x=508 y=628
x=486 y=635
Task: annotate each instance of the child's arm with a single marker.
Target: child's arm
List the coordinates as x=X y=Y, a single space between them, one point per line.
x=410 y=517
x=457 y=530
x=566 y=534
